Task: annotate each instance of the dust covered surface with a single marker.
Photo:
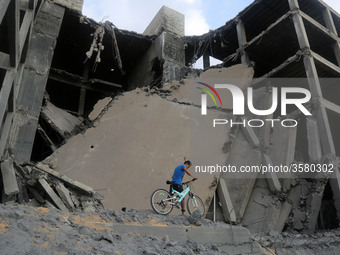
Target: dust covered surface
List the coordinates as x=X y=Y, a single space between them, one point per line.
x=28 y=230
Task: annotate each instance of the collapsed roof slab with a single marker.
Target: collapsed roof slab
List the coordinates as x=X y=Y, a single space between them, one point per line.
x=138 y=142
x=132 y=151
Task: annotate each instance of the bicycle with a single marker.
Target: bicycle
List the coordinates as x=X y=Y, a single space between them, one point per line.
x=162 y=202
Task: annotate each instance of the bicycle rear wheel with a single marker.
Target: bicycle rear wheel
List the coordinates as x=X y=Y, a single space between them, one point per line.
x=195 y=203
x=160 y=202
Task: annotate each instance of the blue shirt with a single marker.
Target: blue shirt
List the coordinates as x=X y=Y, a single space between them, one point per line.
x=178 y=174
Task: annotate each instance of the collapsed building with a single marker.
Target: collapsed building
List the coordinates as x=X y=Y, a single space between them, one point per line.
x=107 y=107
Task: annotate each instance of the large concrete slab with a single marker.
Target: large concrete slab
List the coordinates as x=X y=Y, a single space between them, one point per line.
x=134 y=150
x=141 y=138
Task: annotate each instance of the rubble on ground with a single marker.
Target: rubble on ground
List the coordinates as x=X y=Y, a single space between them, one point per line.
x=39 y=185
x=28 y=230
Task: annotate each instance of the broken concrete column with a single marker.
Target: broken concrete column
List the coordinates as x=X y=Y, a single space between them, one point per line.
x=240 y=188
x=64 y=194
x=165 y=59
x=9 y=181
x=283 y=155
x=31 y=92
x=56 y=200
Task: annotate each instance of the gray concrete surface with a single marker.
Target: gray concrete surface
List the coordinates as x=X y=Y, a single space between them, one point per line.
x=232 y=235
x=166 y=19
x=133 y=150
x=141 y=138
x=9 y=180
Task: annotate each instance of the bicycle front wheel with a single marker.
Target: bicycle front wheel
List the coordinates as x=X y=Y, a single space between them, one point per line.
x=195 y=203
x=160 y=202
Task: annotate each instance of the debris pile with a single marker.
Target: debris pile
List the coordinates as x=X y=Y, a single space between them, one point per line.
x=28 y=230
x=39 y=185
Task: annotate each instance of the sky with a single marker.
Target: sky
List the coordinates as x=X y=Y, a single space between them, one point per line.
x=200 y=15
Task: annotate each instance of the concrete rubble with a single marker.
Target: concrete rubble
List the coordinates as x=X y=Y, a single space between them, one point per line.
x=93 y=116
x=39 y=185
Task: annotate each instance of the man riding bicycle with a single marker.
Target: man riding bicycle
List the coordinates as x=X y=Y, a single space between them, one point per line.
x=177 y=178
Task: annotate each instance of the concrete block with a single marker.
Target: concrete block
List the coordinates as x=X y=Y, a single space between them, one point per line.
x=57 y=201
x=62 y=121
x=166 y=19
x=297 y=224
x=99 y=107
x=75 y=184
x=9 y=180
x=64 y=194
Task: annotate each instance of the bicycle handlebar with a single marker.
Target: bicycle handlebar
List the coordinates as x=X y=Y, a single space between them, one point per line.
x=184 y=183
x=192 y=180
